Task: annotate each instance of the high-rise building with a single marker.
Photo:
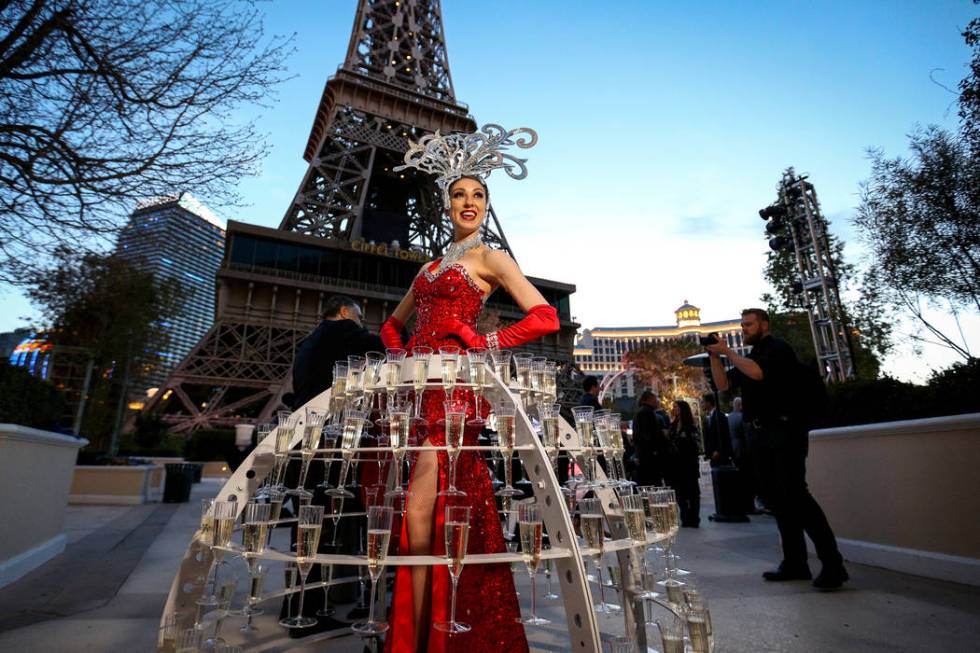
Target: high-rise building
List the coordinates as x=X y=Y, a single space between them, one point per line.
x=178 y=240
x=599 y=351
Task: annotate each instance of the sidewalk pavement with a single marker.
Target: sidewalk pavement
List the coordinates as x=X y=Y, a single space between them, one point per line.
x=107 y=591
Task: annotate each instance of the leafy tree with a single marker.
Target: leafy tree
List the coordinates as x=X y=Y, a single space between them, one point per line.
x=920 y=217
x=660 y=365
x=104 y=102
x=111 y=309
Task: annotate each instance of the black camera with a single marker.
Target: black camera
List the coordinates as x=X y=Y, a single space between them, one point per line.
x=708 y=340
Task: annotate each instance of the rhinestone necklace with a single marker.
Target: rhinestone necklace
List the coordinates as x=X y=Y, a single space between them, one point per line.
x=457 y=249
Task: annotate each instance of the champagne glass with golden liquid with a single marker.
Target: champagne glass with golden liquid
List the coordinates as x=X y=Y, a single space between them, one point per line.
x=455 y=424
x=284 y=438
x=590 y=520
x=399 y=428
x=477 y=359
x=420 y=368
x=549 y=414
x=457 y=525
x=532 y=531
x=550 y=381
x=312 y=429
x=355 y=379
x=391 y=373
x=349 y=439
x=373 y=362
x=378 y=539
x=256 y=580
x=505 y=417
x=522 y=363
x=500 y=363
x=449 y=362
x=308 y=531
x=585 y=425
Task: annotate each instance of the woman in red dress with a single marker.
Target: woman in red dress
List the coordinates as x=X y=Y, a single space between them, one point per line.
x=447 y=297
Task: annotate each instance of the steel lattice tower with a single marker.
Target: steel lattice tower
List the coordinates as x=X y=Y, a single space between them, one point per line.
x=354 y=226
x=818 y=285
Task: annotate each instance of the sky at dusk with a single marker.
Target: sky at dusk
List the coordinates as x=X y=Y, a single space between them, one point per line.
x=663 y=126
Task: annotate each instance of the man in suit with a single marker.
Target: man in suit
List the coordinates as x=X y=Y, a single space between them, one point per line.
x=717 y=440
x=650 y=441
x=338 y=336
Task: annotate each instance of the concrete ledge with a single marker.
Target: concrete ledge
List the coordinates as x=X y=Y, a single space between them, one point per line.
x=956 y=569
x=903 y=495
x=106 y=500
x=117 y=484
x=23 y=563
x=35 y=477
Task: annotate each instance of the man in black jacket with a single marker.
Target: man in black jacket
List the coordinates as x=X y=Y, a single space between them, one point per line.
x=652 y=447
x=339 y=335
x=717 y=439
x=778 y=438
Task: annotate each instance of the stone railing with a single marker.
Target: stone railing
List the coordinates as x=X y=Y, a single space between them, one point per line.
x=904 y=495
x=35 y=475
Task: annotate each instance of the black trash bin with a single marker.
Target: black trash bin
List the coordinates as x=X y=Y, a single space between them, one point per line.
x=729 y=489
x=177 y=488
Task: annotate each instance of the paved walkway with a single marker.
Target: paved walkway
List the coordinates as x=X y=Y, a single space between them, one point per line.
x=106 y=593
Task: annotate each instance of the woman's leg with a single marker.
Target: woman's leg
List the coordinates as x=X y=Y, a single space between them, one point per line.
x=419 y=513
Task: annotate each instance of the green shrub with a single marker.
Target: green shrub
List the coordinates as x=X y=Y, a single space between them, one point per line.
x=27 y=400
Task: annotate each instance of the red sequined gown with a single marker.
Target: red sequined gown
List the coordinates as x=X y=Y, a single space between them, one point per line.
x=486 y=599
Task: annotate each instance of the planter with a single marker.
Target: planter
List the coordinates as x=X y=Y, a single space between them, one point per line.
x=117 y=484
x=35 y=476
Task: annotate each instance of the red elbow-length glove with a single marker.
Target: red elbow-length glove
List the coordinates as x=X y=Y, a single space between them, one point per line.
x=539 y=321
x=391 y=333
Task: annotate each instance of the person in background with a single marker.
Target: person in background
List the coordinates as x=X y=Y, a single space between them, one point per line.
x=717 y=440
x=590 y=394
x=684 y=470
x=650 y=443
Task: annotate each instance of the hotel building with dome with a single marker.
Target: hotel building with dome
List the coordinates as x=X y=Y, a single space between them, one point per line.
x=599 y=351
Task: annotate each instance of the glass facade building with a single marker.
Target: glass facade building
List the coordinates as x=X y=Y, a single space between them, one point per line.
x=177 y=239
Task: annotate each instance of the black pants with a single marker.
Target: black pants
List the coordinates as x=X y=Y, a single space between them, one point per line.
x=685 y=482
x=779 y=454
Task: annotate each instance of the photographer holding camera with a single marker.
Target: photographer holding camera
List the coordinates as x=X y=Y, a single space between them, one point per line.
x=777 y=432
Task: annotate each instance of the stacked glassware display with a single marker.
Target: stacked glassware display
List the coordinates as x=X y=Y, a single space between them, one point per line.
x=372 y=419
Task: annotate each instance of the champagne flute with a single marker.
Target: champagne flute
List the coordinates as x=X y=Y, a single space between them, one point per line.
x=590 y=512
x=399 y=428
x=350 y=437
x=551 y=596
x=449 y=357
x=529 y=522
x=420 y=358
x=307 y=542
x=312 y=429
x=378 y=538
x=477 y=358
x=614 y=421
x=255 y=532
x=392 y=374
x=457 y=525
x=537 y=376
x=225 y=595
x=550 y=381
x=584 y=425
x=222 y=516
x=373 y=360
x=275 y=497
x=355 y=378
x=522 y=363
x=635 y=519
x=338 y=391
x=505 y=416
x=549 y=413
x=284 y=438
x=671 y=633
x=256 y=579
x=455 y=424
x=500 y=360
x=600 y=433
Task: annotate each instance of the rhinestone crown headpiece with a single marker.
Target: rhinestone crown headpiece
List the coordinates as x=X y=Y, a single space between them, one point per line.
x=452 y=156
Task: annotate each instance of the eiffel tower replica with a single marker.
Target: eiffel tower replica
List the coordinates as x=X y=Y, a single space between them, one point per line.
x=354 y=227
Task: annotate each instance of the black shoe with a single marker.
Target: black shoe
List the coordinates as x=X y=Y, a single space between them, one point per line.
x=831 y=578
x=788 y=573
